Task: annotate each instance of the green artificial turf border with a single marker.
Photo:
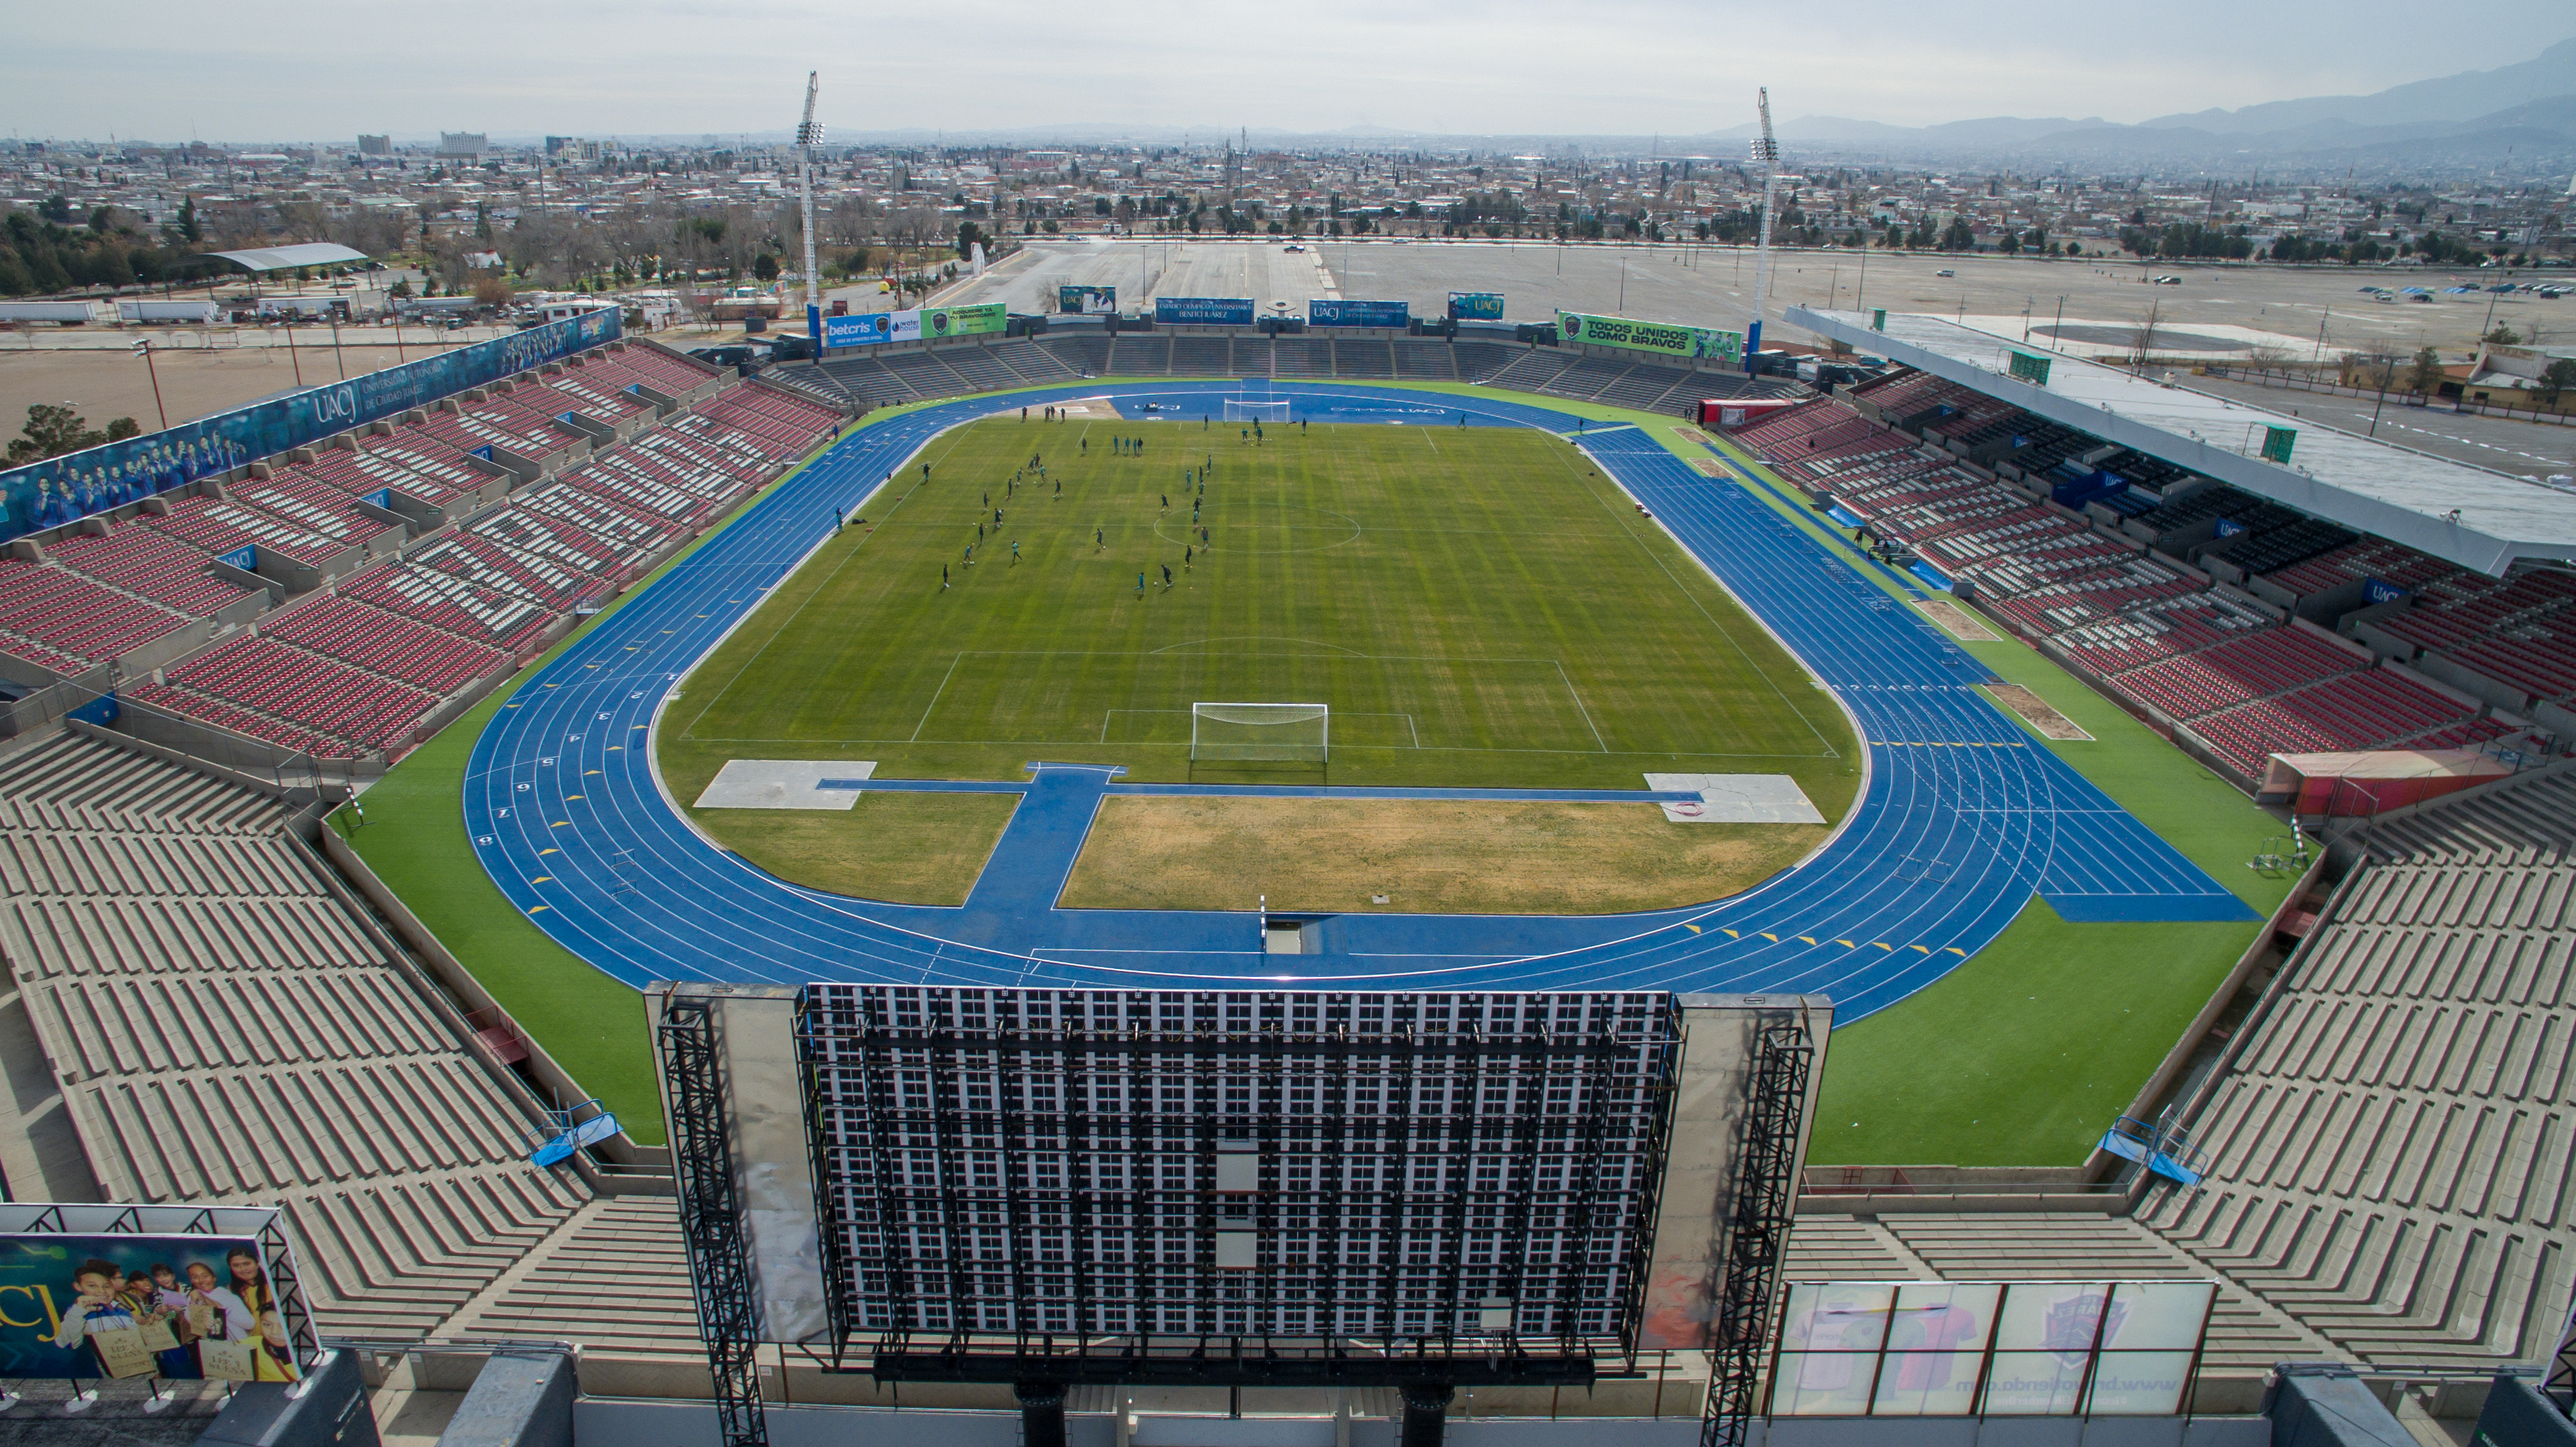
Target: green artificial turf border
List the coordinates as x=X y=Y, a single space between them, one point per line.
x=1926 y=1080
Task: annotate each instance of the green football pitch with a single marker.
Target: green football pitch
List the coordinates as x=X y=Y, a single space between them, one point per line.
x=1476 y=606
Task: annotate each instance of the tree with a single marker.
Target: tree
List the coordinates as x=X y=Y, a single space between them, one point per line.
x=492 y=291
x=2502 y=336
x=764 y=267
x=2555 y=382
x=2426 y=374
x=52 y=431
x=968 y=233
x=56 y=208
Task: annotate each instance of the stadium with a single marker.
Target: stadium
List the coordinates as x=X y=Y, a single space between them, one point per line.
x=1171 y=880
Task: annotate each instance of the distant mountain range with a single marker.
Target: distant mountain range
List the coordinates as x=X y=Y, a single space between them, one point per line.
x=2522 y=114
x=2526 y=111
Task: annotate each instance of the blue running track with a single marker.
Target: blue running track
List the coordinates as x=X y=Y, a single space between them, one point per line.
x=1961 y=819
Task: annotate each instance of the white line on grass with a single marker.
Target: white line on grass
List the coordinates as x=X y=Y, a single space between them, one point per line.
x=1578 y=706
x=934 y=696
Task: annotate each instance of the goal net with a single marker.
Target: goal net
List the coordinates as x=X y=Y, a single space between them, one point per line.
x=1240 y=409
x=1285 y=732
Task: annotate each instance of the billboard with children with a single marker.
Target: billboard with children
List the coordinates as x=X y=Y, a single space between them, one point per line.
x=185 y=1306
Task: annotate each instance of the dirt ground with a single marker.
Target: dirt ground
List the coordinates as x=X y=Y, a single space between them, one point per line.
x=1422 y=856
x=104 y=385
x=2036 y=710
x=1959 y=621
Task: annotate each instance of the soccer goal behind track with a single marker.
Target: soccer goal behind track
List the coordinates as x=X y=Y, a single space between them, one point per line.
x=1256 y=409
x=1260 y=732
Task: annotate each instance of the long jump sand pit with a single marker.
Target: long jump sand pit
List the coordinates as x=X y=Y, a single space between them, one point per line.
x=1315 y=856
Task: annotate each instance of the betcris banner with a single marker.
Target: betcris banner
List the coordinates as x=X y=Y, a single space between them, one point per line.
x=1661 y=338
x=871 y=328
x=1359 y=314
x=1086 y=301
x=1475 y=306
x=58 y=490
x=1203 y=311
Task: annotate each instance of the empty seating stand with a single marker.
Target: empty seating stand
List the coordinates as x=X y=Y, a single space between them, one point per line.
x=2390 y=1139
x=226 y=1027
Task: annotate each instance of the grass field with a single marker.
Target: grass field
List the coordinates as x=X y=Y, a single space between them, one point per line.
x=1973 y=1070
x=1477 y=606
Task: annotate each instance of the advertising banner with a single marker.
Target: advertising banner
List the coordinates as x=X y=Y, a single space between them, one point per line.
x=56 y=491
x=1086 y=301
x=872 y=328
x=987 y=319
x=178 y=1306
x=1203 y=311
x=1661 y=338
x=1475 y=306
x=1395 y=314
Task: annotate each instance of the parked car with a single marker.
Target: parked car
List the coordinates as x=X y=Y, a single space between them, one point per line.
x=2169 y=281
x=1945 y=271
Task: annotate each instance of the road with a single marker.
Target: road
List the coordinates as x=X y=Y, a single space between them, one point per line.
x=2525 y=449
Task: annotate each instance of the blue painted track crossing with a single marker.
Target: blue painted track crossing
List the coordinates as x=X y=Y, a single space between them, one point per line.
x=1962 y=819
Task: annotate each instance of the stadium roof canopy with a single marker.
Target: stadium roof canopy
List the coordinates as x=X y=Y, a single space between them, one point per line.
x=287 y=258
x=2470 y=515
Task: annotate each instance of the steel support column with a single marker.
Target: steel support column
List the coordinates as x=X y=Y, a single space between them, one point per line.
x=1766 y=1191
x=711 y=1216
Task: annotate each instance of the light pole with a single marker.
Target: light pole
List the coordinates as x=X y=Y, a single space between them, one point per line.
x=144 y=347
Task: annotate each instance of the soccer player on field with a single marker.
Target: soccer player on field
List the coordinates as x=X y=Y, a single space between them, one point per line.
x=1167 y=575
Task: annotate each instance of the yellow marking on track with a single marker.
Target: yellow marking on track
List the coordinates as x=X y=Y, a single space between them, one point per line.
x=1954 y=949
x=586 y=773
x=1846 y=944
x=559 y=824
x=550 y=685
x=1807 y=939
x=590 y=665
x=542 y=853
x=1694 y=929
x=541 y=909
x=1730 y=934
x=513 y=705
x=614 y=749
x=568 y=798
x=1884 y=945
x=1920 y=949
x=1775 y=939
x=543 y=879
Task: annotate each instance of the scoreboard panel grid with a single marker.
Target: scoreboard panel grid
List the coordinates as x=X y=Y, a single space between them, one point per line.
x=1444 y=1173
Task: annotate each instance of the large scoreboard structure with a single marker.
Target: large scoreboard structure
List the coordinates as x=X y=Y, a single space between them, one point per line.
x=1058 y=1188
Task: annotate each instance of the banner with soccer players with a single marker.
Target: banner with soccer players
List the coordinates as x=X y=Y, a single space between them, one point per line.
x=1662 y=338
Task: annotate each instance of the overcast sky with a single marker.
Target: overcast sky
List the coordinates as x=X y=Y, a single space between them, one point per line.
x=259 y=70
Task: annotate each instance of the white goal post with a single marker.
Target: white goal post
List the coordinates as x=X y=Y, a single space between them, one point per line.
x=1256 y=409
x=1260 y=732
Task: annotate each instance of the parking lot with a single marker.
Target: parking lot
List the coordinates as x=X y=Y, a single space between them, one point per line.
x=2323 y=306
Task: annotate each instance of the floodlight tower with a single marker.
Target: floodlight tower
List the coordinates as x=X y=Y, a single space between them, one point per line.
x=1766 y=154
x=808 y=135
